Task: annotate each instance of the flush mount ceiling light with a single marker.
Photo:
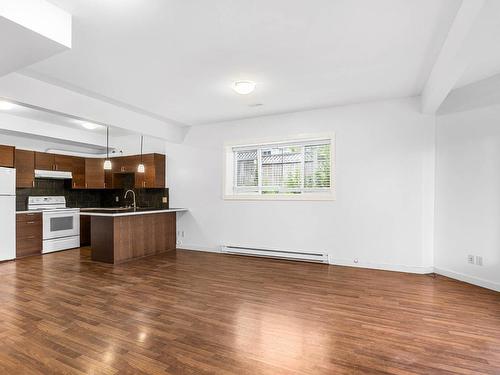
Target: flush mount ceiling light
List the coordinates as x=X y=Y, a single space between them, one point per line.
x=5 y=106
x=90 y=125
x=244 y=87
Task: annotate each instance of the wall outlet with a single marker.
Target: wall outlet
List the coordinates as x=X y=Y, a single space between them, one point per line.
x=182 y=234
x=117 y=199
x=470 y=259
x=164 y=200
x=479 y=260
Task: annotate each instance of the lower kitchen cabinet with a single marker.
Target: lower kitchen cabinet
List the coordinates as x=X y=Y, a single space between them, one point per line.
x=84 y=230
x=28 y=234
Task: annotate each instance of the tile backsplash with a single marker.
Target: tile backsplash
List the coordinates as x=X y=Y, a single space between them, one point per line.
x=85 y=198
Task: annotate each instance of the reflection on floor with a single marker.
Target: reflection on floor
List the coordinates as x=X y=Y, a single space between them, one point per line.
x=198 y=313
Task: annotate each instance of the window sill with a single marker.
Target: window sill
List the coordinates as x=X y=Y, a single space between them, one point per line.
x=282 y=197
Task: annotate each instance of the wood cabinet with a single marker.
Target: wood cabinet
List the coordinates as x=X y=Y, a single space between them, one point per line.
x=123 y=238
x=94 y=174
x=53 y=162
x=125 y=164
x=28 y=234
x=7 y=156
x=84 y=230
x=88 y=173
x=63 y=163
x=44 y=161
x=78 y=170
x=25 y=168
x=153 y=176
x=154 y=172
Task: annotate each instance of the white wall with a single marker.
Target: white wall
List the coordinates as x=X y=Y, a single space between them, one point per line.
x=384 y=167
x=468 y=195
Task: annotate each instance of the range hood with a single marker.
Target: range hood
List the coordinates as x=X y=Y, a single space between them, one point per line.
x=59 y=175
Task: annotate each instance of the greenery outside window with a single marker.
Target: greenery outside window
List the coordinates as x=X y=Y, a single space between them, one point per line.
x=300 y=168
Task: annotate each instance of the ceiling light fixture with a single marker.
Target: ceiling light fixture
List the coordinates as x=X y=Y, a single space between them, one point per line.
x=107 y=162
x=4 y=105
x=90 y=125
x=140 y=167
x=244 y=87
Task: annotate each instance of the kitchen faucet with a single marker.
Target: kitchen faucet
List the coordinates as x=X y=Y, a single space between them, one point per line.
x=133 y=195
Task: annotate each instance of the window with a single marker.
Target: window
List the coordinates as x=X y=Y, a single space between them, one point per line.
x=287 y=169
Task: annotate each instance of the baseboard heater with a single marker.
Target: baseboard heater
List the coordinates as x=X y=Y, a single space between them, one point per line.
x=279 y=254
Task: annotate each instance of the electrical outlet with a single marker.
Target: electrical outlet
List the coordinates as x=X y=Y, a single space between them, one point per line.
x=479 y=260
x=470 y=259
x=117 y=199
x=164 y=200
x=182 y=234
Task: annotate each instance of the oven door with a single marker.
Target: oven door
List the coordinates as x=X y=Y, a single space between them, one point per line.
x=61 y=224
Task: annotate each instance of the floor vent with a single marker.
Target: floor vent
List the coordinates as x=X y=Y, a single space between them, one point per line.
x=280 y=254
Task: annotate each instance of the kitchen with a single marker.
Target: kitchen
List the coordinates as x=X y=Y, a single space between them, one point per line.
x=51 y=200
x=249 y=187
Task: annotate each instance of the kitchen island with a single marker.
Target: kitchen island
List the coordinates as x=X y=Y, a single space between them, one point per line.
x=119 y=235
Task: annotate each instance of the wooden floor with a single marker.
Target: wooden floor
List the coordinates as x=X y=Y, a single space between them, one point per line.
x=198 y=313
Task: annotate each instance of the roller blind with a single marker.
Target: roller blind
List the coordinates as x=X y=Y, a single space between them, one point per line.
x=286 y=168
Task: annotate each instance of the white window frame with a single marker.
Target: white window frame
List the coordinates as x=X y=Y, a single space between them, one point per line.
x=229 y=170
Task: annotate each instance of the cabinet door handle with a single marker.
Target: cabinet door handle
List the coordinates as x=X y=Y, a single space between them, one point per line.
x=30 y=222
x=33 y=183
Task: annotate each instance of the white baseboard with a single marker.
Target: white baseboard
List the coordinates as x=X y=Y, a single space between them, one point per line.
x=190 y=247
x=468 y=279
x=382 y=266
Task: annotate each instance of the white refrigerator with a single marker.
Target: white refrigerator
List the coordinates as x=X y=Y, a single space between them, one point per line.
x=7 y=213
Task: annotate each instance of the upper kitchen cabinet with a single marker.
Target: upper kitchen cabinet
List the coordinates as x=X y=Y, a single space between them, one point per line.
x=125 y=164
x=25 y=168
x=44 y=161
x=78 y=171
x=94 y=174
x=63 y=163
x=53 y=162
x=7 y=156
x=154 y=172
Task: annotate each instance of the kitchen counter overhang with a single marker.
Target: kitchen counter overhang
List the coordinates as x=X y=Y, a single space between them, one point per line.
x=111 y=212
x=118 y=237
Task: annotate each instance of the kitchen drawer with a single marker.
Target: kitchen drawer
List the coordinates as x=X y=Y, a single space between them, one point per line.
x=26 y=229
x=28 y=246
x=28 y=217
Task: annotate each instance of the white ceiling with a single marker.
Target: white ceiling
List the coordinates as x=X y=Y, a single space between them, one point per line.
x=176 y=59
x=484 y=45
x=40 y=114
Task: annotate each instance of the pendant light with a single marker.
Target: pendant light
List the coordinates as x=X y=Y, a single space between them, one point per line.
x=107 y=162
x=140 y=167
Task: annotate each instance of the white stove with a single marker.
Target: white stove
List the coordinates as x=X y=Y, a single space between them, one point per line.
x=61 y=225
